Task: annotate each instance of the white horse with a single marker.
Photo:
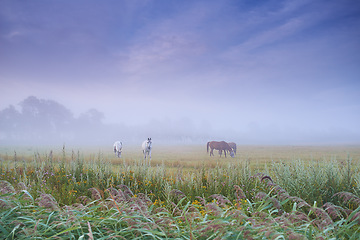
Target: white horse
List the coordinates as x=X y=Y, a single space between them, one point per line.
x=146 y=147
x=118 y=148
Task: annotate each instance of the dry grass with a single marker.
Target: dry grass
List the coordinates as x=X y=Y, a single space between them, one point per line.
x=189 y=158
x=193 y=157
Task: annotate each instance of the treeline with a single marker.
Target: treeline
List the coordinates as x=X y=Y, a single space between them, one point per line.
x=40 y=121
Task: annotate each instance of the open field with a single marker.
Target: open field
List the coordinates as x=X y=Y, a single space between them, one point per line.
x=194 y=156
x=265 y=192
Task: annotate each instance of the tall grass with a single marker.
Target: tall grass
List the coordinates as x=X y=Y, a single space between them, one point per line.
x=68 y=196
x=317 y=180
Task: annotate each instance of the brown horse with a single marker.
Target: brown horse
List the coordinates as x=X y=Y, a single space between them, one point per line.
x=221 y=146
x=233 y=146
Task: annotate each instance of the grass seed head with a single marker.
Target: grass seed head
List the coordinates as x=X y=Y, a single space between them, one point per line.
x=47 y=201
x=348 y=197
x=261 y=196
x=213 y=208
x=6 y=187
x=220 y=200
x=126 y=190
x=95 y=194
x=178 y=194
x=334 y=211
x=239 y=194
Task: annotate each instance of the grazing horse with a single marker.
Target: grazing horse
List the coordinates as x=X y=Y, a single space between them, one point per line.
x=118 y=148
x=233 y=146
x=221 y=146
x=146 y=147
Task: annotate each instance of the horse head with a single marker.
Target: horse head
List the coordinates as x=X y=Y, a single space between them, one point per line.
x=232 y=153
x=148 y=143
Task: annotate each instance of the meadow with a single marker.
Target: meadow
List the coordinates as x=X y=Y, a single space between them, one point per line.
x=265 y=192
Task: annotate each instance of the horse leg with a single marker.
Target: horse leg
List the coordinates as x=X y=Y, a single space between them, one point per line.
x=225 y=152
x=212 y=152
x=148 y=158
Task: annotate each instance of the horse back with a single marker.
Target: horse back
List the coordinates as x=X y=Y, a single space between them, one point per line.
x=222 y=145
x=143 y=146
x=117 y=145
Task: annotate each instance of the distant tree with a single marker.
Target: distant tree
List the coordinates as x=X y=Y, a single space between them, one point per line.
x=90 y=126
x=40 y=121
x=30 y=107
x=9 y=120
x=45 y=116
x=36 y=120
x=9 y=117
x=48 y=110
x=92 y=117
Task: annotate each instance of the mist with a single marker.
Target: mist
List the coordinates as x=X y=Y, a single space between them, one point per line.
x=36 y=121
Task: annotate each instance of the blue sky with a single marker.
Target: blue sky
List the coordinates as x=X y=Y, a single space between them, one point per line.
x=255 y=71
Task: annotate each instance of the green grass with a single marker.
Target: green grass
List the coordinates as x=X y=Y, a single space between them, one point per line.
x=184 y=194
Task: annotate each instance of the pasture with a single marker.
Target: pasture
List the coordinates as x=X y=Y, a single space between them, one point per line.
x=264 y=192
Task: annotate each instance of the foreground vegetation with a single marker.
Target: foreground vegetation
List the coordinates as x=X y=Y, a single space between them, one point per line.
x=70 y=196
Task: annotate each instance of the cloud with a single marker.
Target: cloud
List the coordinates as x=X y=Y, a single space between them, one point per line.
x=157 y=53
x=166 y=44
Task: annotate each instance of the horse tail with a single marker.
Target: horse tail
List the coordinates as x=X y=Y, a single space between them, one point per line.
x=207 y=147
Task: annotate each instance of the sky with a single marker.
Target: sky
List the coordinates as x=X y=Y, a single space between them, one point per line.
x=273 y=72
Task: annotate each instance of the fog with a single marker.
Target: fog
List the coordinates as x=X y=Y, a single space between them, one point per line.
x=36 y=121
x=180 y=72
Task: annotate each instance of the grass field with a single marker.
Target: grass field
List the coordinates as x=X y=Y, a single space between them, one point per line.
x=265 y=192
